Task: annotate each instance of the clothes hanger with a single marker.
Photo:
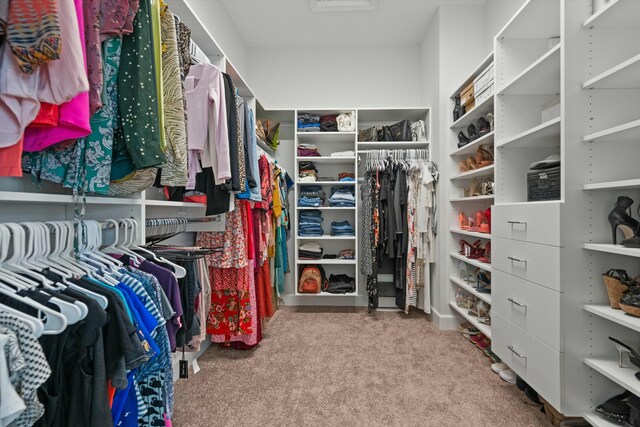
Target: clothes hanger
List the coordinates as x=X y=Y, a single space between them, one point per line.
x=17 y=281
x=107 y=265
x=35 y=325
x=179 y=271
x=13 y=263
x=54 y=322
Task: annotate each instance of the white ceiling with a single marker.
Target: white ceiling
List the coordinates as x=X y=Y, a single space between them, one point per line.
x=291 y=23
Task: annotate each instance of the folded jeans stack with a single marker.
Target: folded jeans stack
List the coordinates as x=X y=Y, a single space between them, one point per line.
x=342 y=228
x=341 y=284
x=310 y=251
x=308 y=172
x=311 y=196
x=346 y=177
x=308 y=150
x=308 y=122
x=310 y=224
x=342 y=197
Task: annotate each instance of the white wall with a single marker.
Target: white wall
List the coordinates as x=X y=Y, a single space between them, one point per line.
x=496 y=14
x=336 y=76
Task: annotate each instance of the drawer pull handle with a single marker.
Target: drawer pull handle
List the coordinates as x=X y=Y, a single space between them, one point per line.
x=517 y=222
x=512 y=301
x=516 y=259
x=510 y=347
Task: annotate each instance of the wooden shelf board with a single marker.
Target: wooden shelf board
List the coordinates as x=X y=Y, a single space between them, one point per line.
x=170 y=204
x=624 y=133
x=624 y=377
x=535 y=19
x=485 y=171
x=48 y=198
x=471 y=289
x=541 y=77
x=612 y=249
x=470 y=233
x=598 y=421
x=471 y=147
x=485 y=329
x=483 y=265
x=326 y=237
x=545 y=134
x=616 y=316
x=625 y=75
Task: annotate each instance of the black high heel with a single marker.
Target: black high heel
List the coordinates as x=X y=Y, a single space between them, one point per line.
x=472 y=132
x=483 y=126
x=620 y=218
x=462 y=139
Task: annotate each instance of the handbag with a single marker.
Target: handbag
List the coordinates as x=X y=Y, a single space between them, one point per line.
x=269 y=132
x=312 y=280
x=401 y=131
x=384 y=134
x=346 y=122
x=418 y=131
x=367 y=135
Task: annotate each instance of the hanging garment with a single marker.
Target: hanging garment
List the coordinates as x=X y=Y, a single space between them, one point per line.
x=93 y=51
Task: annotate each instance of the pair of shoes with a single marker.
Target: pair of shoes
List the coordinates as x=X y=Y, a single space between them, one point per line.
x=481 y=128
x=483 y=281
x=482 y=158
x=505 y=373
x=476 y=251
x=481 y=224
x=617 y=408
x=620 y=219
x=477 y=188
x=463 y=326
x=491 y=355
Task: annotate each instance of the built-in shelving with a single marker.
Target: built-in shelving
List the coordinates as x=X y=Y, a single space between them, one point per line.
x=616 y=316
x=472 y=199
x=625 y=75
x=624 y=377
x=326 y=183
x=475 y=173
x=333 y=208
x=471 y=116
x=326 y=237
x=597 y=421
x=622 y=133
x=327 y=160
x=612 y=249
x=168 y=203
x=614 y=185
x=471 y=289
x=615 y=14
x=485 y=329
x=391 y=145
x=541 y=77
x=542 y=135
x=47 y=198
x=326 y=137
x=327 y=261
x=471 y=147
x=483 y=265
x=470 y=233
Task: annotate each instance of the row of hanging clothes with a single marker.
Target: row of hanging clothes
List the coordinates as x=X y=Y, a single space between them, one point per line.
x=398 y=194
x=87 y=329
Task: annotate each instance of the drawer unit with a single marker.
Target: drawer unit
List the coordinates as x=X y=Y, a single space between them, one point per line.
x=536 y=223
x=537 y=263
x=537 y=363
x=531 y=307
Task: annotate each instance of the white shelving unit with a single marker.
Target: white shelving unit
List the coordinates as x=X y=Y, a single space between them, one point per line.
x=484 y=328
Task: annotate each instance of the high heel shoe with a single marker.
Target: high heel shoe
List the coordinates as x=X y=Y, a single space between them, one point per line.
x=619 y=218
x=484 y=156
x=626 y=350
x=471 y=163
x=472 y=132
x=482 y=223
x=462 y=139
x=483 y=126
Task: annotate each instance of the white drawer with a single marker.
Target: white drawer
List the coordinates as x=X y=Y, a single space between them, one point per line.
x=530 y=261
x=531 y=222
x=537 y=363
x=532 y=307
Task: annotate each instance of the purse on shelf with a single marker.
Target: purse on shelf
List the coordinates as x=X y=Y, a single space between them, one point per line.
x=269 y=132
x=312 y=280
x=418 y=131
x=384 y=134
x=346 y=122
x=368 y=135
x=401 y=131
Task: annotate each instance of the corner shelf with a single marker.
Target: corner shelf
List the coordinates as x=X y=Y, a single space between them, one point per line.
x=472 y=290
x=485 y=171
x=482 y=265
x=543 y=135
x=626 y=132
x=625 y=75
x=541 y=77
x=471 y=147
x=485 y=329
x=624 y=377
x=616 y=316
x=612 y=249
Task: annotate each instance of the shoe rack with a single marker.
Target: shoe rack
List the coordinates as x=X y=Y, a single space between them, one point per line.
x=466 y=204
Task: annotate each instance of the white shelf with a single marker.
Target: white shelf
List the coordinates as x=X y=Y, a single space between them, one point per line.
x=541 y=77
x=170 y=204
x=485 y=171
x=327 y=294
x=545 y=134
x=327 y=183
x=471 y=147
x=326 y=208
x=616 y=14
x=479 y=69
x=612 y=249
x=326 y=137
x=327 y=261
x=264 y=146
x=616 y=316
x=625 y=75
x=471 y=289
x=327 y=159
x=535 y=19
x=485 y=329
x=483 y=265
x=470 y=233
x=598 y=421
x=391 y=145
x=624 y=133
x=472 y=199
x=624 y=377
x=480 y=110
x=613 y=185
x=326 y=237
x=47 y=198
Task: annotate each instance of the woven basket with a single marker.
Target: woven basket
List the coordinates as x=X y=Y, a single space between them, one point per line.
x=630 y=309
x=615 y=289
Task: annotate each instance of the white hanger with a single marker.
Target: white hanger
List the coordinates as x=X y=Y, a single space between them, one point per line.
x=54 y=322
x=179 y=271
x=89 y=251
x=11 y=277
x=35 y=325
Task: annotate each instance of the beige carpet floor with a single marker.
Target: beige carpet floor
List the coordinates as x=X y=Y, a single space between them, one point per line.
x=319 y=367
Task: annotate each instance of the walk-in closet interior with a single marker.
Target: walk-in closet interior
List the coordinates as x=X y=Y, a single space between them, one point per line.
x=319 y=213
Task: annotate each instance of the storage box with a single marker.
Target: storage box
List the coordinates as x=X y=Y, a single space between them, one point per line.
x=543 y=184
x=484 y=80
x=470 y=106
x=466 y=95
x=485 y=94
x=550 y=110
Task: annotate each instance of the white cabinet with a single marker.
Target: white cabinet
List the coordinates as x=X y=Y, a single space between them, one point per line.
x=535 y=223
x=530 y=261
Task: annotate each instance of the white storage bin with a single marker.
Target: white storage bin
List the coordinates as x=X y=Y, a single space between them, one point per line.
x=484 y=79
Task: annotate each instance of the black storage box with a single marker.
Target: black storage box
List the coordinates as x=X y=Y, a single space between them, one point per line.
x=543 y=184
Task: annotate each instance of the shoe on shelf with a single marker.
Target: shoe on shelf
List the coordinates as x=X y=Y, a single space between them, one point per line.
x=472 y=132
x=477 y=338
x=484 y=156
x=483 y=126
x=499 y=367
x=470 y=331
x=616 y=408
x=484 y=343
x=620 y=219
x=482 y=222
x=508 y=375
x=463 y=326
x=462 y=139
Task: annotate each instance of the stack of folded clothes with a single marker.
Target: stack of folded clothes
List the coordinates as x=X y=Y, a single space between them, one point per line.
x=340 y=284
x=325 y=178
x=311 y=196
x=342 y=228
x=308 y=150
x=346 y=254
x=346 y=177
x=343 y=154
x=329 y=123
x=308 y=122
x=342 y=197
x=310 y=250
x=308 y=172
x=310 y=224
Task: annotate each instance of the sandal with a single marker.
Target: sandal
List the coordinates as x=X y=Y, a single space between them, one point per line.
x=484 y=157
x=471 y=163
x=475 y=188
x=487 y=187
x=462 y=165
x=483 y=282
x=482 y=223
x=486 y=254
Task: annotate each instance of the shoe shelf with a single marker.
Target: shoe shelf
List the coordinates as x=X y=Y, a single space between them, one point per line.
x=612 y=249
x=614 y=185
x=541 y=77
x=472 y=199
x=617 y=316
x=327 y=261
x=471 y=289
x=485 y=171
x=470 y=233
x=471 y=147
x=482 y=265
x=625 y=75
x=326 y=159
x=597 y=421
x=543 y=135
x=615 y=14
x=624 y=377
x=471 y=116
x=485 y=329
x=623 y=133
x=326 y=208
